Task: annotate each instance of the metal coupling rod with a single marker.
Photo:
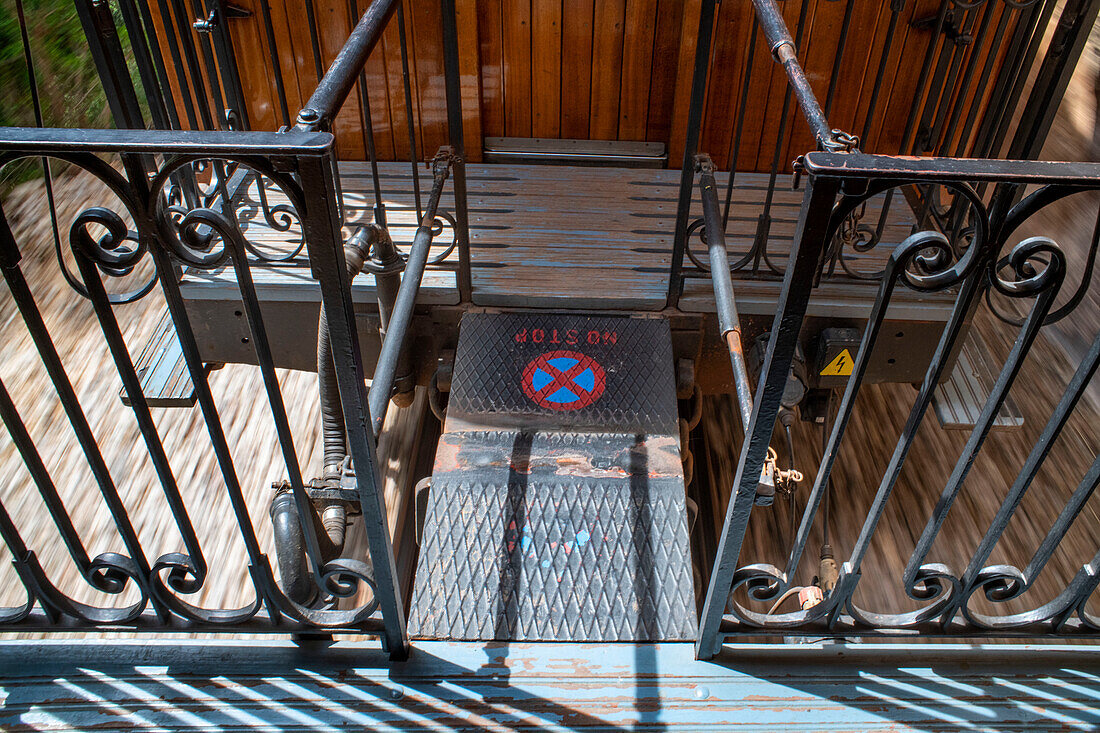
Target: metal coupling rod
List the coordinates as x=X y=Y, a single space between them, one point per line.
x=385 y=371
x=728 y=321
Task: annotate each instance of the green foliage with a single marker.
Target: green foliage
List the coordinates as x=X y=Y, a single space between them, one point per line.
x=68 y=85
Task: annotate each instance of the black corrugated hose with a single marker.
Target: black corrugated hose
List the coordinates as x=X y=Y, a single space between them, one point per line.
x=356 y=251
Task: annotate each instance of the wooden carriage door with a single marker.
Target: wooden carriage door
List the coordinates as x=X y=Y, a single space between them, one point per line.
x=585 y=69
x=595 y=69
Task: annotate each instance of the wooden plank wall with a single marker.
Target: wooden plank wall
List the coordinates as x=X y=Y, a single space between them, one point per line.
x=604 y=69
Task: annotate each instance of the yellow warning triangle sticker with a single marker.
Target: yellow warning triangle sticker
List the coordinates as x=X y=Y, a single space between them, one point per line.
x=841 y=366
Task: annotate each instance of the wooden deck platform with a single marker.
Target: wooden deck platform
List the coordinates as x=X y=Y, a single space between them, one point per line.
x=257 y=685
x=576 y=237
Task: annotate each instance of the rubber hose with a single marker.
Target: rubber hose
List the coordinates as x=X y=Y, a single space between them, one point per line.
x=290 y=550
x=356 y=251
x=335 y=520
x=332 y=413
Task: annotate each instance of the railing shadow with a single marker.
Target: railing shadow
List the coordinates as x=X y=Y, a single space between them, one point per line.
x=542 y=687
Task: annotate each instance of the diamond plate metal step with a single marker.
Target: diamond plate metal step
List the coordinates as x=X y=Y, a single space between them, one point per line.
x=958 y=400
x=556 y=510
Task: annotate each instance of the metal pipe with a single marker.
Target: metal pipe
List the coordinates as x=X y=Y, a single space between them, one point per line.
x=387 y=268
x=785 y=52
x=729 y=323
x=289 y=541
x=385 y=370
x=339 y=80
x=764 y=221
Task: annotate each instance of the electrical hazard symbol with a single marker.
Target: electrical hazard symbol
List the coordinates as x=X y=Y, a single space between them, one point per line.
x=563 y=380
x=840 y=366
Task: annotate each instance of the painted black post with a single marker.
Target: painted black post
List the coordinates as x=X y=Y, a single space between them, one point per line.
x=454 y=133
x=326 y=258
x=809 y=241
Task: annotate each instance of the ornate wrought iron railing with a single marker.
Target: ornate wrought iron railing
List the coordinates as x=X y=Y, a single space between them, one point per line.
x=973 y=77
x=176 y=200
x=988 y=261
x=147 y=233
x=965 y=243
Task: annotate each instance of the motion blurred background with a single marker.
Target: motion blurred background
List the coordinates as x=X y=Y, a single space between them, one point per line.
x=70 y=96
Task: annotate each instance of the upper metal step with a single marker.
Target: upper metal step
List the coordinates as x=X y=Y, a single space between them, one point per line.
x=556 y=509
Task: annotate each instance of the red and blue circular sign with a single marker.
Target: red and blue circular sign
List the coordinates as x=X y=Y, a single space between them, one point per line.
x=564 y=380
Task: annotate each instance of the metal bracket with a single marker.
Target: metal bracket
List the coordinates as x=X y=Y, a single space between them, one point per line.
x=443 y=160
x=798 y=167
x=840 y=141
x=329 y=489
x=704 y=164
x=211 y=21
x=949 y=29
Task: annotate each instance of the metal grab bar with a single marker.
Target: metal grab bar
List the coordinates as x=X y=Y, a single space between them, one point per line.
x=338 y=81
x=385 y=370
x=729 y=323
x=785 y=52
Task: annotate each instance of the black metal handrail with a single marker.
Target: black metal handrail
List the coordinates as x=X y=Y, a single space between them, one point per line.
x=335 y=86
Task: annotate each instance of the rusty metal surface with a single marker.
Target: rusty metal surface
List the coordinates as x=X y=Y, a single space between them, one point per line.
x=158 y=686
x=557 y=509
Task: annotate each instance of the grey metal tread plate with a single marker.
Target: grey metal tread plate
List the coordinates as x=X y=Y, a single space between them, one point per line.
x=632 y=387
x=549 y=557
x=556 y=509
x=959 y=399
x=165 y=380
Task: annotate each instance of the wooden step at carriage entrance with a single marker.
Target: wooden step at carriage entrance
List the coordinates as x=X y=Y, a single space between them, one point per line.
x=556 y=510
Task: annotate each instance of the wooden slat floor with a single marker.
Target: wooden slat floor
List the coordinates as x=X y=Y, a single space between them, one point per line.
x=574 y=237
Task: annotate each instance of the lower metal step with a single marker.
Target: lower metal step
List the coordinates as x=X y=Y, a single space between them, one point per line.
x=959 y=399
x=556 y=510
x=165 y=381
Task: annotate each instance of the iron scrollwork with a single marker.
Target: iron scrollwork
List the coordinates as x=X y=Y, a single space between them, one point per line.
x=1033 y=270
x=166 y=234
